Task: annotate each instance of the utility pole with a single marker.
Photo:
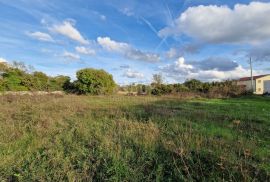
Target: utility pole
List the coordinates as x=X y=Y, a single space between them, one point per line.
x=251 y=74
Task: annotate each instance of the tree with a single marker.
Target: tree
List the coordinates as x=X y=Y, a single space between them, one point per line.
x=19 y=65
x=13 y=80
x=92 y=81
x=3 y=67
x=59 y=83
x=194 y=85
x=41 y=81
x=2 y=85
x=157 y=79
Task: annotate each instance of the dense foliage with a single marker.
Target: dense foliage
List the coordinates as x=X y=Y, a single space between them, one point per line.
x=17 y=77
x=227 y=88
x=95 y=82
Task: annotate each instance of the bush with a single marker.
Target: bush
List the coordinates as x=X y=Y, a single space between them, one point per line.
x=13 y=80
x=226 y=89
x=194 y=85
x=177 y=88
x=59 y=83
x=162 y=89
x=95 y=82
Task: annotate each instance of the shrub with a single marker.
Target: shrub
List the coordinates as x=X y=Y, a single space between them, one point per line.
x=225 y=89
x=180 y=88
x=59 y=83
x=162 y=89
x=194 y=85
x=13 y=80
x=92 y=81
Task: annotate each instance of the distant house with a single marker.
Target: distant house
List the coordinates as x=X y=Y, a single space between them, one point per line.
x=261 y=83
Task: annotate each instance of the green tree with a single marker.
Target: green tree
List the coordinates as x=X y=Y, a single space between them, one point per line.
x=41 y=81
x=194 y=85
x=59 y=83
x=92 y=81
x=13 y=80
x=2 y=85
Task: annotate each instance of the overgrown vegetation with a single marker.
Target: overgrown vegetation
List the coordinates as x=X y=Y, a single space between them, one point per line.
x=17 y=77
x=227 y=88
x=86 y=138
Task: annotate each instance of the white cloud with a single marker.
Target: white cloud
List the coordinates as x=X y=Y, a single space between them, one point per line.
x=127 y=11
x=127 y=50
x=215 y=75
x=71 y=56
x=133 y=74
x=220 y=24
x=85 y=50
x=172 y=53
x=260 y=52
x=67 y=29
x=2 y=60
x=218 y=63
x=178 y=67
x=180 y=71
x=136 y=54
x=111 y=45
x=40 y=36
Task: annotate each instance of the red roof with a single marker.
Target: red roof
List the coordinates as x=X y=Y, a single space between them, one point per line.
x=254 y=78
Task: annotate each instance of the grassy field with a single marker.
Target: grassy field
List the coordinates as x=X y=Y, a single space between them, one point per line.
x=118 y=138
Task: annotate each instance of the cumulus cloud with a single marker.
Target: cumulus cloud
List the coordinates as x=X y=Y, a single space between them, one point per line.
x=85 y=50
x=215 y=75
x=176 y=52
x=260 y=52
x=2 y=60
x=136 y=54
x=207 y=70
x=111 y=45
x=216 y=63
x=221 y=24
x=173 y=53
x=133 y=74
x=127 y=50
x=67 y=28
x=178 y=67
x=71 y=56
x=40 y=36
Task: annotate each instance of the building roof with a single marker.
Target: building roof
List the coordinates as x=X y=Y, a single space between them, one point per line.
x=254 y=77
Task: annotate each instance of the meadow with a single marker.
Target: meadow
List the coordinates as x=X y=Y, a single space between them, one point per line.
x=143 y=138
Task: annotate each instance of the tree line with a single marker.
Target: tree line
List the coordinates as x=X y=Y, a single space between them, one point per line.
x=19 y=77
x=227 y=88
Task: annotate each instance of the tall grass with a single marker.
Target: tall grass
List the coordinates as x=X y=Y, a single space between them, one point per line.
x=113 y=138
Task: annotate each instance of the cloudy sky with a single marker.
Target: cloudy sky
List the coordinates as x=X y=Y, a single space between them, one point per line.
x=133 y=39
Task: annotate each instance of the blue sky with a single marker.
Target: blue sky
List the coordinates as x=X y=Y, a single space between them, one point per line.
x=133 y=39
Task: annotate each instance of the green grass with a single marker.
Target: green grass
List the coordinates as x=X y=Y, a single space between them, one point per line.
x=113 y=138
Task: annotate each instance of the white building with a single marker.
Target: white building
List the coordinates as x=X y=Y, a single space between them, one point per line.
x=261 y=83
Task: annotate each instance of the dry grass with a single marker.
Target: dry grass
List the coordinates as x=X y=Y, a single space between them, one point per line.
x=118 y=138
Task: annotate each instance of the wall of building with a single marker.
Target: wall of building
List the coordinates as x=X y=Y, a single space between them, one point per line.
x=260 y=84
x=247 y=84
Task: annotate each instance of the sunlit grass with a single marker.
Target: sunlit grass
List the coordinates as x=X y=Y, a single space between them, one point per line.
x=117 y=138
